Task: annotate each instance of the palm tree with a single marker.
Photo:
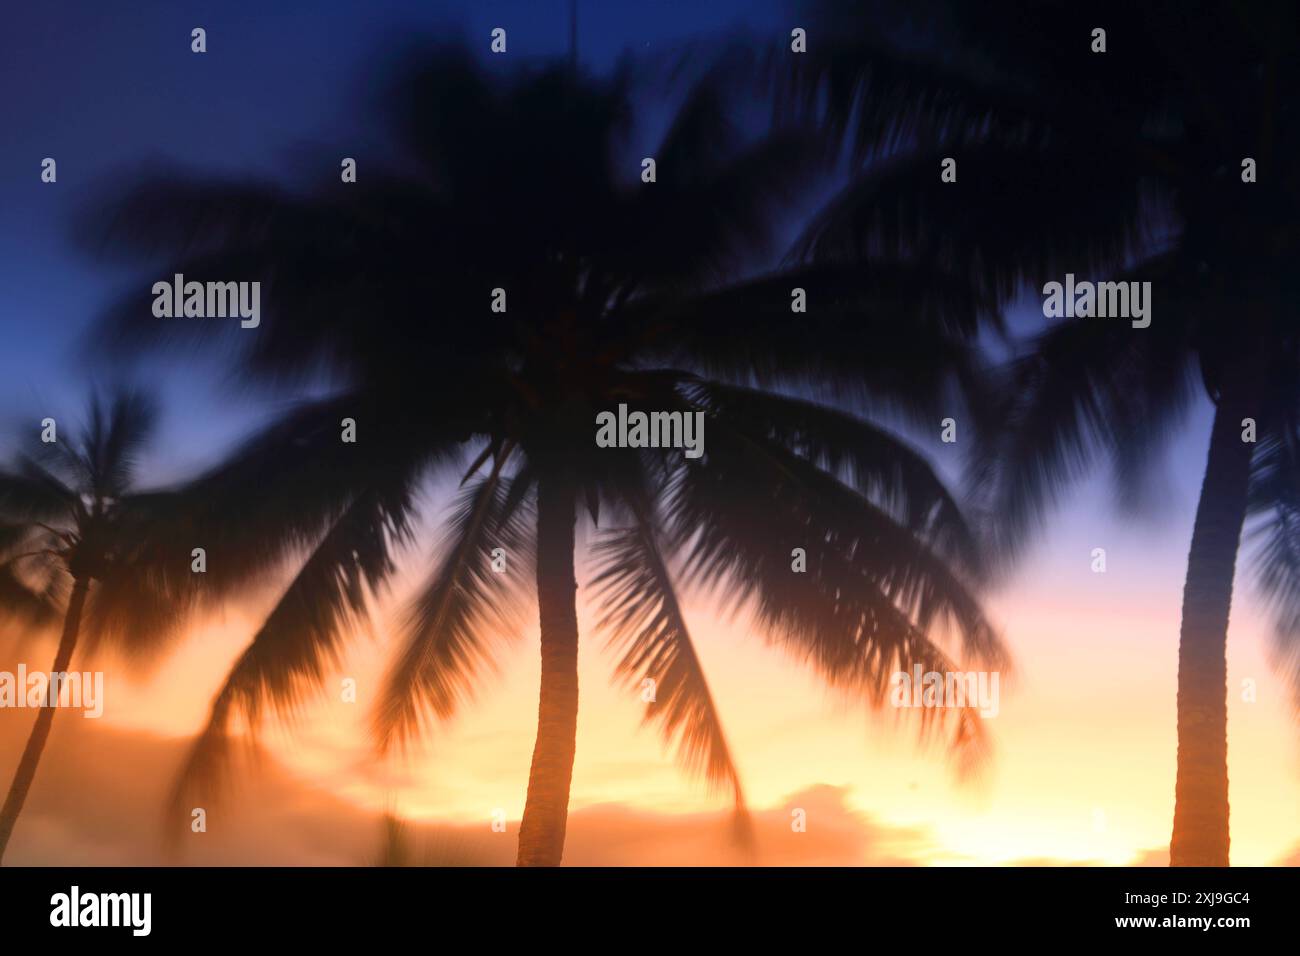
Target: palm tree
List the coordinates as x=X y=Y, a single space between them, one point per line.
x=71 y=528
x=397 y=847
x=1150 y=151
x=619 y=292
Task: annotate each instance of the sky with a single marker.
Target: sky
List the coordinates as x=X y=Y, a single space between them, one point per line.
x=1085 y=742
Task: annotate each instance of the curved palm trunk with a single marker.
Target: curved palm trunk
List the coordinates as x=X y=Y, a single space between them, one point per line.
x=40 y=733
x=546 y=811
x=1200 y=835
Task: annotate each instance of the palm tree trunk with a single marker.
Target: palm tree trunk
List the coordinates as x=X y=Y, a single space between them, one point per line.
x=40 y=733
x=1200 y=834
x=546 y=810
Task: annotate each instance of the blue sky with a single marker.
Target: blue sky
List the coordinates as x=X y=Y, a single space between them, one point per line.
x=105 y=88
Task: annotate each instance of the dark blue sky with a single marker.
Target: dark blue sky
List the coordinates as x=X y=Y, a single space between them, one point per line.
x=105 y=87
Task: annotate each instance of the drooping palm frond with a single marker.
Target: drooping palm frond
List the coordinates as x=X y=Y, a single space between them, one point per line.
x=885 y=541
x=33 y=581
x=30 y=492
x=32 y=606
x=878 y=465
x=176 y=216
x=1087 y=388
x=837 y=617
x=136 y=610
x=446 y=638
x=872 y=588
x=1274 y=534
x=21 y=537
x=830 y=516
x=292 y=480
x=641 y=614
x=306 y=630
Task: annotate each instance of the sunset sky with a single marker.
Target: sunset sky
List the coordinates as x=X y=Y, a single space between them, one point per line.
x=1085 y=739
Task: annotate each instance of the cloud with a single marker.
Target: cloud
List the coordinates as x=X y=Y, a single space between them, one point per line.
x=98 y=801
x=835 y=835
x=1156 y=856
x=99 y=794
x=1291 y=858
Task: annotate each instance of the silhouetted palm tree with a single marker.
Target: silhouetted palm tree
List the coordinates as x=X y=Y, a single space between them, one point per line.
x=619 y=291
x=397 y=848
x=1130 y=165
x=70 y=533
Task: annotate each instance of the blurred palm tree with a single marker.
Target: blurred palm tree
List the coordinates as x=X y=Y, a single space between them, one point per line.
x=619 y=291
x=1130 y=165
x=71 y=528
x=397 y=848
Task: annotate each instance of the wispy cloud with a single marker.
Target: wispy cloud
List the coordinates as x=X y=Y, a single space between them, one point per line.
x=99 y=798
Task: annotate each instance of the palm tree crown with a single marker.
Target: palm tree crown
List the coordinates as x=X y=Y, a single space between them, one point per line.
x=616 y=291
x=1156 y=152
x=72 y=529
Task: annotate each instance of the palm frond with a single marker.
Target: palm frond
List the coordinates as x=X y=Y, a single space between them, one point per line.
x=34 y=606
x=898 y=335
x=171 y=213
x=879 y=465
x=30 y=492
x=860 y=612
x=1087 y=388
x=290 y=482
x=446 y=638
x=900 y=209
x=14 y=535
x=641 y=614
x=119 y=434
x=1274 y=535
x=716 y=195
x=871 y=591
x=303 y=635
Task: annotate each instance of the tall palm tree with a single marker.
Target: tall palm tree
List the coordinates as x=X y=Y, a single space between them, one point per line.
x=620 y=291
x=1131 y=164
x=71 y=528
